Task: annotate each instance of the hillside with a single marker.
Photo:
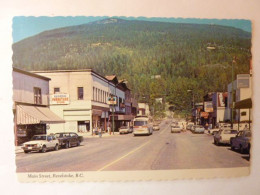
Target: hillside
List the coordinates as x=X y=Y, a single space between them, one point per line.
x=137 y=50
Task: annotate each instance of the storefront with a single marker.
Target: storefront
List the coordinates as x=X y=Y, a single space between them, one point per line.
x=32 y=120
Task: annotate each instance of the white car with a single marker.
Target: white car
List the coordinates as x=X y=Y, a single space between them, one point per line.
x=175 y=129
x=124 y=130
x=41 y=143
x=224 y=136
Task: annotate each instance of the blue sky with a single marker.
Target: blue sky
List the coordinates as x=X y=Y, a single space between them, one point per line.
x=24 y=27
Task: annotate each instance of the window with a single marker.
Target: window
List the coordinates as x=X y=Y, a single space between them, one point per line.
x=37 y=95
x=56 y=89
x=80 y=93
x=93 y=98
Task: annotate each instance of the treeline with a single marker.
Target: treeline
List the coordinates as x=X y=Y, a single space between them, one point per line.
x=186 y=56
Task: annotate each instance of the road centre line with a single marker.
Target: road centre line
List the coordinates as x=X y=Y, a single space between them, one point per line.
x=115 y=161
x=165 y=129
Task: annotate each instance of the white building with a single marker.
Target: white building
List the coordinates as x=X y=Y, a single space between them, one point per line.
x=80 y=98
x=143 y=109
x=242 y=90
x=219 y=101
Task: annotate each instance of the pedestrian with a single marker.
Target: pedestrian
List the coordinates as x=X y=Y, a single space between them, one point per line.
x=99 y=132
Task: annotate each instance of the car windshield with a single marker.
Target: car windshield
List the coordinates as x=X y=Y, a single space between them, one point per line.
x=176 y=126
x=140 y=123
x=230 y=132
x=39 y=137
x=123 y=127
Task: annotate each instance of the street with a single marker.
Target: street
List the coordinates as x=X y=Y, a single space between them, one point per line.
x=161 y=151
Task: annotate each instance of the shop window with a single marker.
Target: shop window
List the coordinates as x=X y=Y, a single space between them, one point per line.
x=80 y=93
x=37 y=95
x=56 y=90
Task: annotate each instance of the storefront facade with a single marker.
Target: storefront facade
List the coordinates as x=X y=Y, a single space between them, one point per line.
x=32 y=115
x=86 y=92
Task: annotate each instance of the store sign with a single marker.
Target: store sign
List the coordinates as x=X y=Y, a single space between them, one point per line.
x=243 y=80
x=204 y=114
x=111 y=101
x=221 y=100
x=59 y=99
x=208 y=107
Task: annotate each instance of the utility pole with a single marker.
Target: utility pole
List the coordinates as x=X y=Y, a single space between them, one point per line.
x=232 y=92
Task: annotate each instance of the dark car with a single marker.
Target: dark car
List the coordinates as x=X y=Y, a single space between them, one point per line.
x=241 y=141
x=68 y=139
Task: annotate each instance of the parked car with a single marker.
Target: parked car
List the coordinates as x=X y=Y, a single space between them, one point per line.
x=225 y=126
x=223 y=136
x=124 y=129
x=175 y=129
x=156 y=127
x=68 y=139
x=189 y=126
x=198 y=129
x=241 y=141
x=41 y=143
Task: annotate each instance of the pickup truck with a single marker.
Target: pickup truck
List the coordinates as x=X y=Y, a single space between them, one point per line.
x=68 y=139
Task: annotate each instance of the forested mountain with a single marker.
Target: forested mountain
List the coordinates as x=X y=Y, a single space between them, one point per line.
x=187 y=56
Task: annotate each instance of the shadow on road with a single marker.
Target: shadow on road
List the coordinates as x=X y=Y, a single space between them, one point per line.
x=246 y=157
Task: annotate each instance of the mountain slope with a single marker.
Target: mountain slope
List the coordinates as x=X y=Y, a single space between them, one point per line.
x=137 y=50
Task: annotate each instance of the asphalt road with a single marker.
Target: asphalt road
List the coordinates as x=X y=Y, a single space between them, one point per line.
x=161 y=151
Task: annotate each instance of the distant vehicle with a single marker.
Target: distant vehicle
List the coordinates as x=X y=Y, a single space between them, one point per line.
x=175 y=129
x=156 y=126
x=225 y=126
x=189 y=126
x=198 y=129
x=223 y=136
x=41 y=143
x=241 y=141
x=68 y=139
x=142 y=126
x=124 y=129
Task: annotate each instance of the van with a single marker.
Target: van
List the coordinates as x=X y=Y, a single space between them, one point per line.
x=142 y=126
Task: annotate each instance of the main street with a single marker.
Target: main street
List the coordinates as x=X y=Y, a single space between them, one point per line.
x=161 y=151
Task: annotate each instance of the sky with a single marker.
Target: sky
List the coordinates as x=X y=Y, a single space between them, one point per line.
x=24 y=27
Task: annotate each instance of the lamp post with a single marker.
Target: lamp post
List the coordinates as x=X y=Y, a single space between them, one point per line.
x=232 y=92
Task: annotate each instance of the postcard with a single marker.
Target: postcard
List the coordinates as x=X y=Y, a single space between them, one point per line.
x=131 y=98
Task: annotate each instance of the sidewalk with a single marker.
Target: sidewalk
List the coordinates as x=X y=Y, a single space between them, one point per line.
x=18 y=149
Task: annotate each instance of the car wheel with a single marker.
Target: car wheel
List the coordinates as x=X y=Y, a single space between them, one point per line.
x=56 y=147
x=44 y=149
x=26 y=151
x=241 y=150
x=78 y=143
x=232 y=147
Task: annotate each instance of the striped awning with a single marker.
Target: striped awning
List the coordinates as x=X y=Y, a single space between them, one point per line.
x=36 y=115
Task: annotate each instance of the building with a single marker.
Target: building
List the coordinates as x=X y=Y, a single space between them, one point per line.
x=219 y=102
x=242 y=93
x=143 y=109
x=31 y=106
x=80 y=98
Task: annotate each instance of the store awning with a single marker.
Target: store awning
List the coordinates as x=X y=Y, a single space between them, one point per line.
x=97 y=112
x=125 y=117
x=244 y=104
x=36 y=115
